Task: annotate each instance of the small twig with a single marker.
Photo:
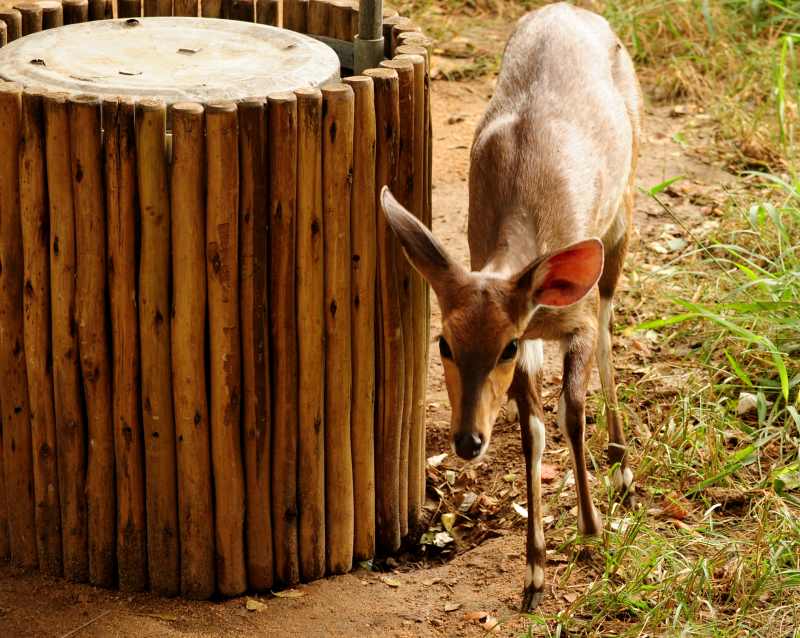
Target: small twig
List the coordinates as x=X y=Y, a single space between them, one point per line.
x=86 y=624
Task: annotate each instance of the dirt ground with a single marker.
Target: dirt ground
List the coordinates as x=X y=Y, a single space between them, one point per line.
x=486 y=578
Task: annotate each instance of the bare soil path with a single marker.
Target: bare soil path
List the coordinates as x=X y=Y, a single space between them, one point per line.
x=486 y=578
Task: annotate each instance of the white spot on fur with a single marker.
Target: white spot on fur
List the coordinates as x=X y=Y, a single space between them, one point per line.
x=628 y=476
x=531 y=357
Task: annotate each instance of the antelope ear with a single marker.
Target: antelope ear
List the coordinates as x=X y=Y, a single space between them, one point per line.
x=564 y=277
x=422 y=249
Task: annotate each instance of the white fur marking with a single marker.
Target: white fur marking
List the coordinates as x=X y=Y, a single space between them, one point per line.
x=538 y=439
x=627 y=476
x=531 y=359
x=528 y=576
x=538 y=577
x=604 y=344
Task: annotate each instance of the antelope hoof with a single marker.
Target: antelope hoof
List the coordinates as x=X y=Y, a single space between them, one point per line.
x=531 y=597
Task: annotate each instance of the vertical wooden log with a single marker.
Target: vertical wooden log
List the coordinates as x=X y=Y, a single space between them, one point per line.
x=337 y=168
x=17 y=459
x=152 y=7
x=311 y=327
x=119 y=144
x=75 y=11
x=186 y=8
x=188 y=208
x=295 y=15
x=388 y=24
x=154 y=338
x=341 y=23
x=36 y=304
x=13 y=21
x=267 y=12
x=31 y=14
x=318 y=21
x=97 y=9
x=133 y=8
x=391 y=378
x=362 y=232
x=5 y=548
x=70 y=424
x=256 y=422
x=52 y=14
x=93 y=342
x=398 y=30
x=211 y=8
x=222 y=239
x=243 y=10
x=284 y=342
x=419 y=306
x=402 y=189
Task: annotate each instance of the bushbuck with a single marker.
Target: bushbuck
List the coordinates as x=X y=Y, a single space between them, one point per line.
x=551 y=191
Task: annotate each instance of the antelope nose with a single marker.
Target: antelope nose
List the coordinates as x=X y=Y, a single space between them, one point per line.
x=468 y=445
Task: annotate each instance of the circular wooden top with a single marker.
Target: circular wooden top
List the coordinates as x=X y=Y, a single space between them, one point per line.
x=172 y=59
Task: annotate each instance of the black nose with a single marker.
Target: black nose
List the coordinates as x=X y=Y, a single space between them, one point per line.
x=468 y=445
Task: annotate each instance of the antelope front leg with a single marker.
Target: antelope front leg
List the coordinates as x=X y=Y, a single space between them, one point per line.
x=526 y=389
x=578 y=350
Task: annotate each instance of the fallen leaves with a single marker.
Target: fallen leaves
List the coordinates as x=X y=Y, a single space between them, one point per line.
x=254 y=605
x=391 y=581
x=482 y=618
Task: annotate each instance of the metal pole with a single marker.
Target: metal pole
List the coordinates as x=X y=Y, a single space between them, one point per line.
x=368 y=44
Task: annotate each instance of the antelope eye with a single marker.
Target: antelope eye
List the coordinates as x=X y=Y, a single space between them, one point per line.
x=510 y=351
x=444 y=349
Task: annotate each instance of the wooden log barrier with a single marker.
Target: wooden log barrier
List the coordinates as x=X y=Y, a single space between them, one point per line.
x=389 y=23
x=306 y=329
x=93 y=340
x=75 y=11
x=256 y=421
x=17 y=456
x=283 y=324
x=362 y=282
x=337 y=167
x=69 y=416
x=222 y=241
x=154 y=338
x=36 y=306
x=311 y=326
x=188 y=230
x=13 y=21
x=295 y=15
x=119 y=145
x=388 y=429
x=402 y=188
